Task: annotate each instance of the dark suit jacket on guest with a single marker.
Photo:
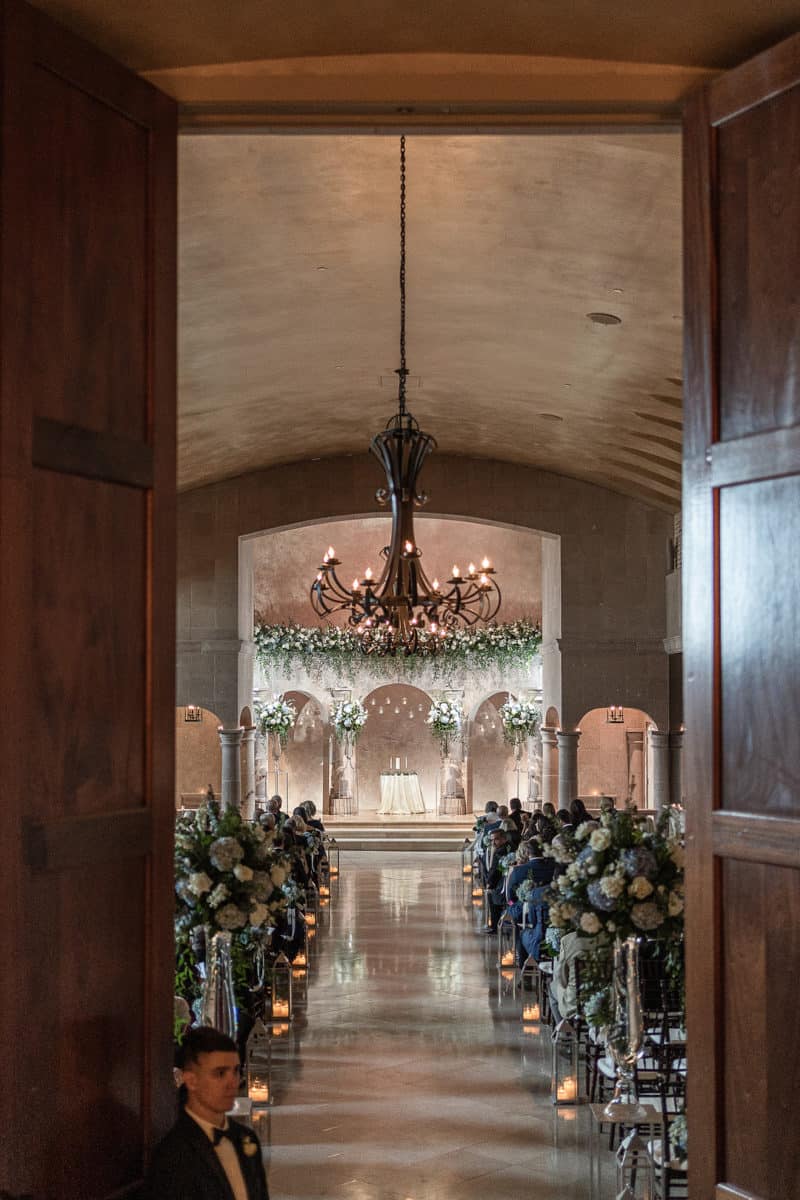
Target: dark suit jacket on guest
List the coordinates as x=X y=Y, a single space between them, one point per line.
x=186 y=1167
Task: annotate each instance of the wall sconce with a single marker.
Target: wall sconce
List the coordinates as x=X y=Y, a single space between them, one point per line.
x=193 y=712
x=615 y=715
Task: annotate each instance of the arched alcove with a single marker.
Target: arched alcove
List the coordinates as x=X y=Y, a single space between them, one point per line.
x=612 y=755
x=198 y=755
x=551 y=718
x=304 y=756
x=491 y=757
x=396 y=728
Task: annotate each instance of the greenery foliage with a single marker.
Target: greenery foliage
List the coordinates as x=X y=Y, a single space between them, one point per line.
x=324 y=648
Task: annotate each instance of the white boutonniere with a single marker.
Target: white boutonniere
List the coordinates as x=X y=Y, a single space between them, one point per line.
x=250 y=1146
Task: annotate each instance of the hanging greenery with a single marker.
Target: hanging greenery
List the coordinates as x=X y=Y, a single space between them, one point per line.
x=320 y=649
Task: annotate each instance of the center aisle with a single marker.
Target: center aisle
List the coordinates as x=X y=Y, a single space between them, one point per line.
x=403 y=1079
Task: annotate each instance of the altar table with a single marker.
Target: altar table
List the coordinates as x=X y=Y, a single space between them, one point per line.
x=400 y=793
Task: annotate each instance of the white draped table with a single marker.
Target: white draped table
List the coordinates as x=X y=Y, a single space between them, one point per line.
x=400 y=793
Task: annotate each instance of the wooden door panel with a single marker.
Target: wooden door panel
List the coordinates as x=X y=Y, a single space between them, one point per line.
x=741 y=551
x=758 y=221
x=89 y=609
x=759 y=571
x=87 y=564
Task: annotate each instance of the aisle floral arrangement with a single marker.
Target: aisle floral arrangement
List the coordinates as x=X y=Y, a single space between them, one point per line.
x=277 y=716
x=348 y=719
x=620 y=881
x=228 y=877
x=317 y=649
x=520 y=719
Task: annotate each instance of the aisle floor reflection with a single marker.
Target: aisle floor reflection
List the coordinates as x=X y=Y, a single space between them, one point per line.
x=404 y=1077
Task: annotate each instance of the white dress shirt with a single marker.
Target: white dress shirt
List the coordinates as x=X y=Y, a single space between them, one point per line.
x=226 y=1153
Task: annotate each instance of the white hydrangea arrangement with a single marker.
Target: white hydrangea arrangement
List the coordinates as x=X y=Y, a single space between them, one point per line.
x=619 y=880
x=277 y=716
x=348 y=719
x=520 y=719
x=444 y=719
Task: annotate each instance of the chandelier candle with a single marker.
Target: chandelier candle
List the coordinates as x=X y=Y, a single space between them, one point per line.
x=401 y=610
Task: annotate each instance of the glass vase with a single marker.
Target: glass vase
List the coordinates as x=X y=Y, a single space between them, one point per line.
x=218 y=1003
x=626 y=1034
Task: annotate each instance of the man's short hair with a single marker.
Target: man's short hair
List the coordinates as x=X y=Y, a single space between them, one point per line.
x=515 y=804
x=491 y=806
x=203 y=1040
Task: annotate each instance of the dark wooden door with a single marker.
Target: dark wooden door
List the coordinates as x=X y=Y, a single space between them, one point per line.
x=87 y=483
x=741 y=621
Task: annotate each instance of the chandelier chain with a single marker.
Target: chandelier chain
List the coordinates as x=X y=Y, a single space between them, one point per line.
x=403 y=372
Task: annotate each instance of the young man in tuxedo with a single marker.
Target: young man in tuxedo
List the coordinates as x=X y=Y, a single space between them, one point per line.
x=206 y=1155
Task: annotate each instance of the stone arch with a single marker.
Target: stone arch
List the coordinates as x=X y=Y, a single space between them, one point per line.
x=491 y=758
x=246 y=717
x=306 y=753
x=551 y=718
x=198 y=757
x=613 y=758
x=398 y=731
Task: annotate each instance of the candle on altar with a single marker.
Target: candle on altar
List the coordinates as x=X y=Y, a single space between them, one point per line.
x=531 y=1013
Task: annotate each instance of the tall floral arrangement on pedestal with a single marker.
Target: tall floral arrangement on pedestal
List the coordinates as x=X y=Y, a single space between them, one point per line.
x=520 y=719
x=444 y=718
x=276 y=717
x=228 y=877
x=348 y=719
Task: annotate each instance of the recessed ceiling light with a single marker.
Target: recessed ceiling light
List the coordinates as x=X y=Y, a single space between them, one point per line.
x=601 y=318
x=322 y=268
x=616 y=291
x=549 y=417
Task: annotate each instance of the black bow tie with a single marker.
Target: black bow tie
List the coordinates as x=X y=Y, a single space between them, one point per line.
x=219 y=1134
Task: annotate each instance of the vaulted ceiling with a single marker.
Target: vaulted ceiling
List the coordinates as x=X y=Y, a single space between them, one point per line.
x=289 y=301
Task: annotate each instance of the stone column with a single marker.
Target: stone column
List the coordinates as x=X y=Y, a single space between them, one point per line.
x=634 y=743
x=676 y=767
x=549 y=792
x=567 y=766
x=249 y=781
x=659 y=764
x=231 y=740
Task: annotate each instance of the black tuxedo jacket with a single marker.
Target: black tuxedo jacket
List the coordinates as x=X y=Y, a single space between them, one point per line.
x=186 y=1167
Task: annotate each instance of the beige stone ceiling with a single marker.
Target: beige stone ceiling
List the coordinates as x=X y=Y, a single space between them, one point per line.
x=289 y=307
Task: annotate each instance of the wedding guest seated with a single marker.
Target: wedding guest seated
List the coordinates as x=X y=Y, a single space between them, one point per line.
x=274 y=807
x=483 y=841
x=502 y=812
x=508 y=827
x=206 y=1155
x=563 y=988
x=311 y=816
x=515 y=813
x=540 y=871
x=564 y=818
x=545 y=827
x=495 y=879
x=549 y=810
x=267 y=822
x=578 y=813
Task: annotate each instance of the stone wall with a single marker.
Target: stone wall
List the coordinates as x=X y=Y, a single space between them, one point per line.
x=602 y=572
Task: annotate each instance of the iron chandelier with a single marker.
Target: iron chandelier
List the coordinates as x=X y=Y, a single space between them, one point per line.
x=402 y=611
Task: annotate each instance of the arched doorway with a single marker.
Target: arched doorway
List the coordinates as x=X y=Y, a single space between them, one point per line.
x=198 y=755
x=304 y=756
x=612 y=756
x=491 y=758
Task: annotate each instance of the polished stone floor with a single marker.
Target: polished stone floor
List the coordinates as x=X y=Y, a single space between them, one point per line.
x=403 y=1076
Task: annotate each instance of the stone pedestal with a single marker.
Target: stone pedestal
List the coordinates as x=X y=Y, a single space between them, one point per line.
x=231 y=741
x=659 y=766
x=634 y=743
x=567 y=766
x=549 y=790
x=249 y=781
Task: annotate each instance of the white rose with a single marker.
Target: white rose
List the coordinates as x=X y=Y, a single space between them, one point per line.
x=199 y=883
x=243 y=873
x=600 y=840
x=612 y=886
x=258 y=914
x=674 y=905
x=590 y=923
x=640 y=888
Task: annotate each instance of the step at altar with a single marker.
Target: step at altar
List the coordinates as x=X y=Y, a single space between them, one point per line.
x=381 y=833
